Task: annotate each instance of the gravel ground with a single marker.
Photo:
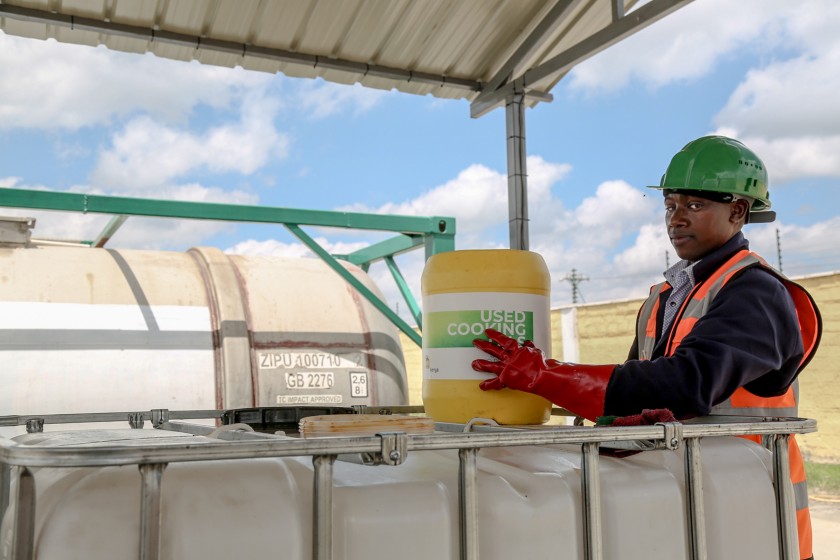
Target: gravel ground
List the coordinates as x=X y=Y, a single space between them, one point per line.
x=825 y=518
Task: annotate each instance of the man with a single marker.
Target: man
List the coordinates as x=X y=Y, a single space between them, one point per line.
x=724 y=334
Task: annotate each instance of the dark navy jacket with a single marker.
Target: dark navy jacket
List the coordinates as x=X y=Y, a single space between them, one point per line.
x=749 y=337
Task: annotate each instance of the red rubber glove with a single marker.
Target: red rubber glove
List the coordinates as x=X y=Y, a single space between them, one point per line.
x=578 y=388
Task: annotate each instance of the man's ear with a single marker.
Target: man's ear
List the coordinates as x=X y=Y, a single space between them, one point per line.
x=739 y=210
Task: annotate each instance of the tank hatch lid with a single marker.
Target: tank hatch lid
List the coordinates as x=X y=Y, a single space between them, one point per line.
x=16 y=231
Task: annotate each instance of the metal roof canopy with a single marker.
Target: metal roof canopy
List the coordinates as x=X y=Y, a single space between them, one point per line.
x=489 y=52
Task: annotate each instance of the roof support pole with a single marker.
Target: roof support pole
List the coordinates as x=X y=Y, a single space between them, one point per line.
x=517 y=171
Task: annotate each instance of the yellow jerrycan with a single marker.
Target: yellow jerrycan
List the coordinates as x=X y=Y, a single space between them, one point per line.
x=465 y=292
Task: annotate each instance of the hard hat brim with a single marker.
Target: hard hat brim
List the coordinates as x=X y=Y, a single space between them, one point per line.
x=763 y=217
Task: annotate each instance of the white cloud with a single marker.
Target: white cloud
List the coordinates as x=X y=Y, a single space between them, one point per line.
x=272 y=247
x=647 y=252
x=787 y=110
x=8 y=182
x=323 y=99
x=477 y=198
x=167 y=234
x=176 y=233
x=616 y=210
x=153 y=152
x=616 y=238
x=793 y=98
x=54 y=225
x=59 y=85
x=638 y=267
x=269 y=247
x=589 y=240
x=683 y=46
x=147 y=154
x=136 y=232
x=585 y=238
x=804 y=249
x=795 y=157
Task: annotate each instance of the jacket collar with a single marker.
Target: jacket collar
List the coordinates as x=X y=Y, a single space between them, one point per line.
x=712 y=261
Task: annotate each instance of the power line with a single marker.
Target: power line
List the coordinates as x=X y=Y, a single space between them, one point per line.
x=574 y=278
x=779 y=250
x=797 y=262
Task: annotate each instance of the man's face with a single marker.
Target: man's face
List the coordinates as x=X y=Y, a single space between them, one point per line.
x=697 y=226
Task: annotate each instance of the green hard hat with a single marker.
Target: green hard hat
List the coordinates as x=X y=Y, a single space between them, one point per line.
x=717 y=164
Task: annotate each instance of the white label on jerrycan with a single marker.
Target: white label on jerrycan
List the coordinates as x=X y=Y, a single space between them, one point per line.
x=452 y=321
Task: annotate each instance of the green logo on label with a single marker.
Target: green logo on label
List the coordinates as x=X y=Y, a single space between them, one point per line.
x=457 y=329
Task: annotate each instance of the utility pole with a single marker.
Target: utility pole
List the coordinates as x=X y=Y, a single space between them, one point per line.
x=574 y=278
x=779 y=249
x=667 y=260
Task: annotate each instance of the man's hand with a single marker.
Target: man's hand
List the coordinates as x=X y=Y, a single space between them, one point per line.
x=516 y=366
x=579 y=388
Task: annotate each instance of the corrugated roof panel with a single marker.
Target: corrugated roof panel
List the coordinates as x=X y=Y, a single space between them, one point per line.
x=464 y=41
x=327 y=28
x=495 y=39
x=117 y=42
x=234 y=21
x=185 y=16
x=216 y=58
x=585 y=23
x=341 y=77
x=26 y=29
x=507 y=37
x=137 y=11
x=75 y=36
x=582 y=23
x=372 y=29
x=88 y=8
x=298 y=71
x=123 y=44
x=453 y=32
x=281 y=23
x=176 y=52
x=379 y=83
x=261 y=64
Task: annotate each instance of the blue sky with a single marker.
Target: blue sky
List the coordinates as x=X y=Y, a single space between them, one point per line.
x=87 y=119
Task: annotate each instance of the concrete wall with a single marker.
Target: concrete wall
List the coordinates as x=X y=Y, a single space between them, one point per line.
x=414 y=369
x=819 y=383
x=605 y=333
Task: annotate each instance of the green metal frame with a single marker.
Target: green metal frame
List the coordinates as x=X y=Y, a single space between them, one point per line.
x=435 y=234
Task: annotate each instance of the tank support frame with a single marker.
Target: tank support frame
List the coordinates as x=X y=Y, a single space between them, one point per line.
x=153 y=459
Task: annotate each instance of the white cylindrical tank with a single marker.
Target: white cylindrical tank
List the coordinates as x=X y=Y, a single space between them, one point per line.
x=528 y=505
x=95 y=330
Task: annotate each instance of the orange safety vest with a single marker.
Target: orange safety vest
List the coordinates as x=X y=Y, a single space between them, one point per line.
x=742 y=402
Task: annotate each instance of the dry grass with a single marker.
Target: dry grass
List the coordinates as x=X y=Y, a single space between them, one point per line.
x=823 y=478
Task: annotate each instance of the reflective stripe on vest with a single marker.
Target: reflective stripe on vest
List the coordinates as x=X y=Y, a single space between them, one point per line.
x=742 y=402
x=646 y=334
